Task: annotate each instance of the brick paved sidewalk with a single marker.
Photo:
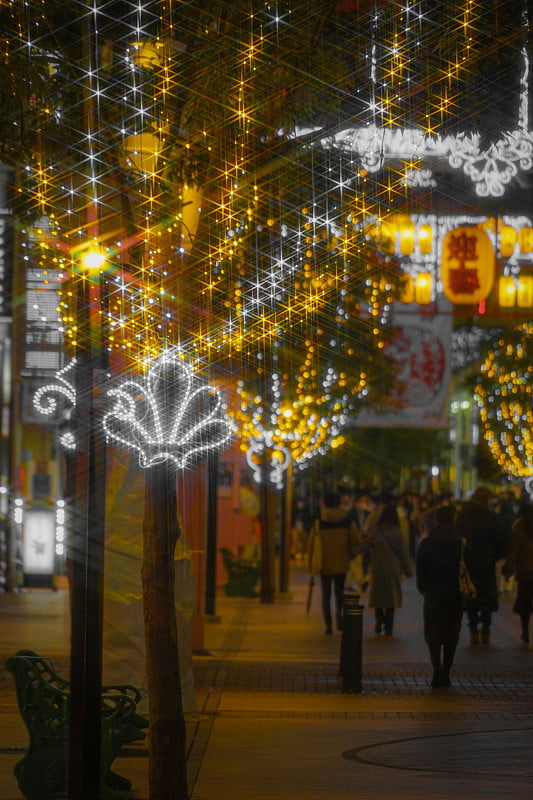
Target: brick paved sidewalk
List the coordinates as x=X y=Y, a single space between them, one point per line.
x=272 y=723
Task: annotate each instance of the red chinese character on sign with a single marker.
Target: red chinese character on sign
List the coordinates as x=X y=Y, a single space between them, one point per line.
x=462 y=279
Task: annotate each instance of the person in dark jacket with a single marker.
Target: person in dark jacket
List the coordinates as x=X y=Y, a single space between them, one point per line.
x=338 y=538
x=479 y=526
x=437 y=578
x=519 y=562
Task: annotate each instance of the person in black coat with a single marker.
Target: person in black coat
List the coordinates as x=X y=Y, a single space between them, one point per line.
x=437 y=578
x=479 y=526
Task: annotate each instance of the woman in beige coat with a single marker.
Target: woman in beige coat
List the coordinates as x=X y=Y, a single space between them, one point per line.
x=389 y=564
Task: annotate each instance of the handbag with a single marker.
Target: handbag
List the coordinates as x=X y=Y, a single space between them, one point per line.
x=466 y=584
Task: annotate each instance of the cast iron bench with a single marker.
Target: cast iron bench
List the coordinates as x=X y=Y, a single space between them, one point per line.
x=44 y=698
x=243 y=574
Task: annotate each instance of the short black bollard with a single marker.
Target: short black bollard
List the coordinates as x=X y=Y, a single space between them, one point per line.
x=350 y=666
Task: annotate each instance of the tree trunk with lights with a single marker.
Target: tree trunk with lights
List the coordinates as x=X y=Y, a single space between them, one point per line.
x=167 y=769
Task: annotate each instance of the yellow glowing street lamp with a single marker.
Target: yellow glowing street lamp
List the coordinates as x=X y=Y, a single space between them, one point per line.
x=92 y=259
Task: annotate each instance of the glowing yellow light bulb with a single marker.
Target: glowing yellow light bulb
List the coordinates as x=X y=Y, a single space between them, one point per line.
x=423 y=286
x=92 y=259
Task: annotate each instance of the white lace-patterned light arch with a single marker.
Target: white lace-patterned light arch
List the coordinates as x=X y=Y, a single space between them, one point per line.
x=491 y=169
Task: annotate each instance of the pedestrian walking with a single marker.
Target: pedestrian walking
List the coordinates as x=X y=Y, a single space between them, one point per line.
x=437 y=579
x=389 y=564
x=503 y=508
x=335 y=536
x=479 y=526
x=519 y=562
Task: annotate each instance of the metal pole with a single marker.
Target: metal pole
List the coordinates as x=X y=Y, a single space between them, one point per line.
x=87 y=581
x=84 y=770
x=211 y=538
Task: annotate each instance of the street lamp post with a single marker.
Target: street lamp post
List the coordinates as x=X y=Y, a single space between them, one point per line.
x=87 y=570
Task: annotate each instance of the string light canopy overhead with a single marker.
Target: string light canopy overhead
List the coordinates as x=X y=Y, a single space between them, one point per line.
x=115 y=171
x=197 y=147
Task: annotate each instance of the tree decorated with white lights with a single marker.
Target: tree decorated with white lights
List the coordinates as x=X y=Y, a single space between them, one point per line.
x=304 y=417
x=504 y=393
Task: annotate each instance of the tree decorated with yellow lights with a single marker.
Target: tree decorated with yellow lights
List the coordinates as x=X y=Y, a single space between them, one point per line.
x=124 y=117
x=504 y=393
x=231 y=108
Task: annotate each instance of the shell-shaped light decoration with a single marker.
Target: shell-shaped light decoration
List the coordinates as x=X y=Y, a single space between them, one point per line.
x=45 y=401
x=279 y=461
x=168 y=414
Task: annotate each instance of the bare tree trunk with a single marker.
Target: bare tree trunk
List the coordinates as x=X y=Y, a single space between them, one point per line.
x=268 y=511
x=286 y=539
x=167 y=765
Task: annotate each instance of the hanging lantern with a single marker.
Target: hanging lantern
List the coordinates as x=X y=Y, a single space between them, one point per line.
x=490 y=224
x=406 y=293
x=387 y=237
x=148 y=55
x=524 y=292
x=507 y=240
x=506 y=291
x=142 y=152
x=425 y=239
x=423 y=288
x=467 y=265
x=406 y=228
x=191 y=207
x=525 y=240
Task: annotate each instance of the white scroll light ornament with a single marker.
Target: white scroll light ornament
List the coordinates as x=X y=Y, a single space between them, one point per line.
x=167 y=414
x=45 y=401
x=528 y=486
x=279 y=461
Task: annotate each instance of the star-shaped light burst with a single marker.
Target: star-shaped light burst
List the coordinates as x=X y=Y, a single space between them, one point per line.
x=168 y=414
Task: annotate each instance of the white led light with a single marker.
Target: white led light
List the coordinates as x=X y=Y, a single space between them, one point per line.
x=280 y=459
x=167 y=415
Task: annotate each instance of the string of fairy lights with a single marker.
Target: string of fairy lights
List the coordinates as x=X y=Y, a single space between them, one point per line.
x=221 y=226
x=504 y=394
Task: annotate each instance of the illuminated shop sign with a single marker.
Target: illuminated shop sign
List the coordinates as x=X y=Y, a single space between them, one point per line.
x=39 y=542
